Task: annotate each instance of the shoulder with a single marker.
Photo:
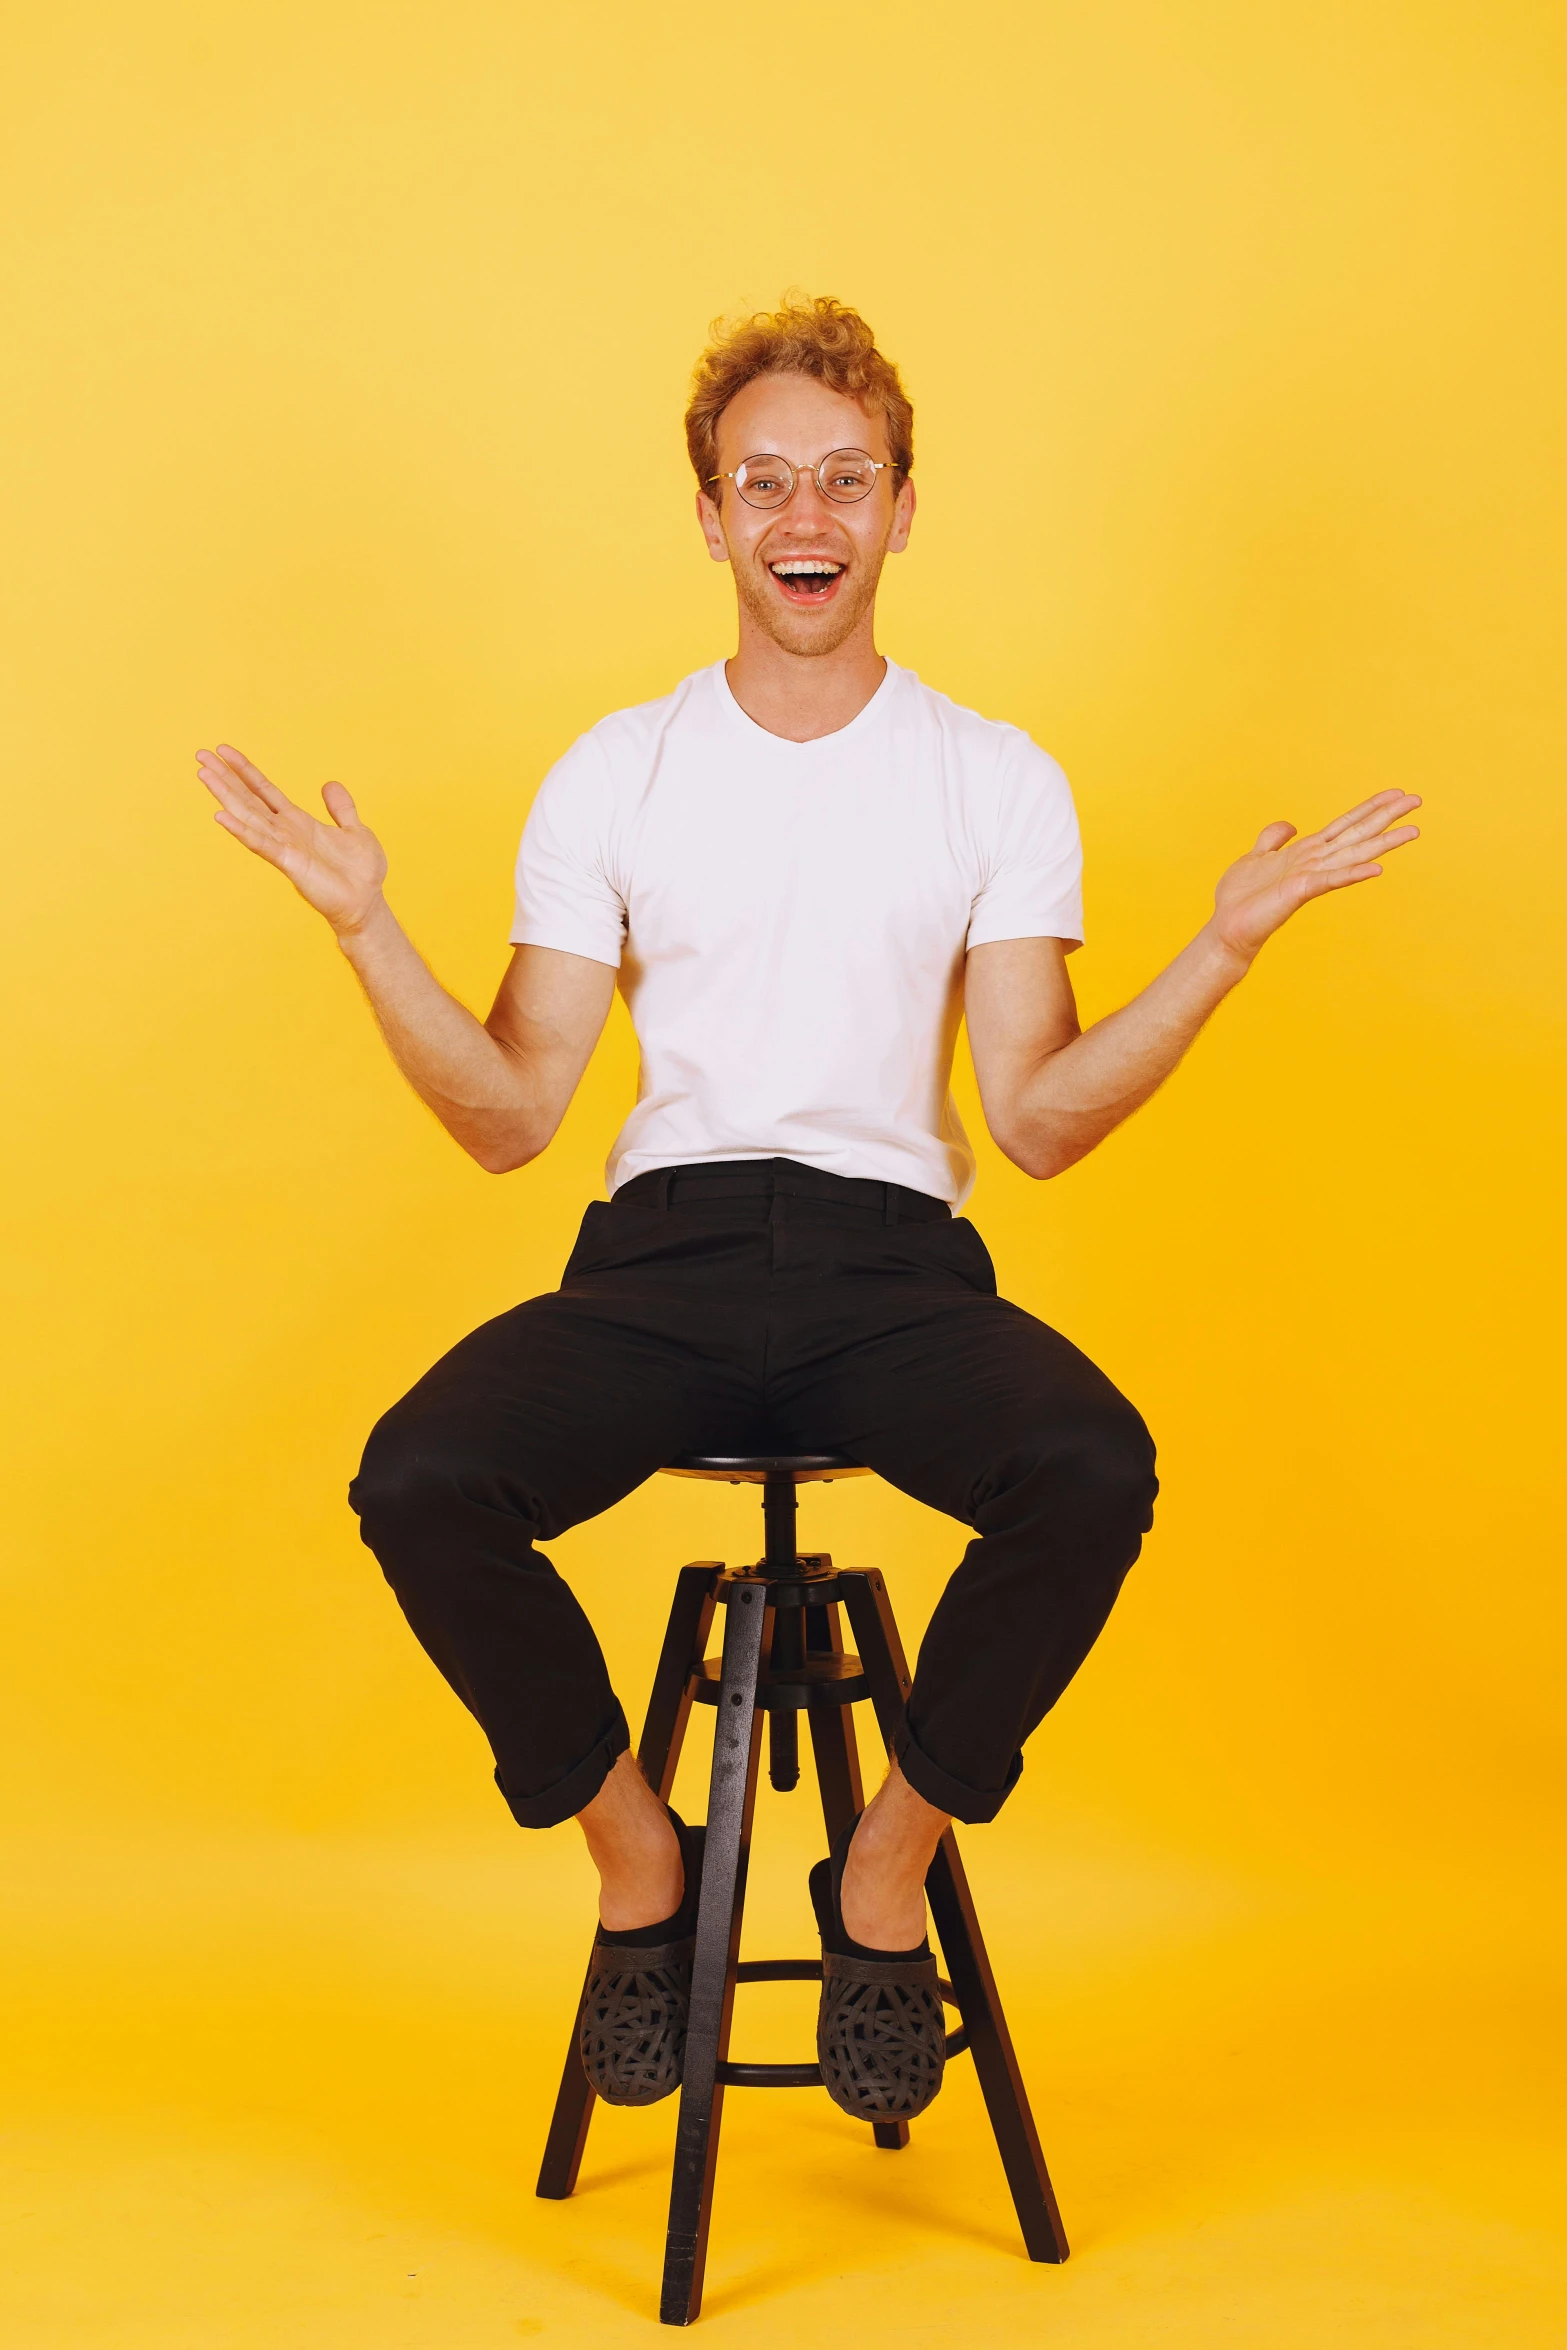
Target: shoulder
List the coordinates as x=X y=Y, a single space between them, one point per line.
x=623 y=742
x=989 y=751
x=610 y=764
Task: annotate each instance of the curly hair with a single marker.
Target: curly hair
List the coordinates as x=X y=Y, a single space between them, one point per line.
x=820 y=337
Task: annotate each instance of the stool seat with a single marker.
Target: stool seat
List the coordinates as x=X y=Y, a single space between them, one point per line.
x=754 y=1468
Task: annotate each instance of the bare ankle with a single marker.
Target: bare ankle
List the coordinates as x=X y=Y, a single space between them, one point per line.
x=883 y=1894
x=634 y=1847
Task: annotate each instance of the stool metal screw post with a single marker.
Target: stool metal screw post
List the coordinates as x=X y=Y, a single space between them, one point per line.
x=783 y=1655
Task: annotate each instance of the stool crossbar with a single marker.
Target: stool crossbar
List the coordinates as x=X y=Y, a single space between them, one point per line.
x=783 y=1656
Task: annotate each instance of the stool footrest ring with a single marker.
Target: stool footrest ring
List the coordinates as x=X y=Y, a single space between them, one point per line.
x=769 y=2076
x=747 y=2075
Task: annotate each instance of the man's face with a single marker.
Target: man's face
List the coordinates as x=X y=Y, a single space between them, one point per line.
x=812 y=610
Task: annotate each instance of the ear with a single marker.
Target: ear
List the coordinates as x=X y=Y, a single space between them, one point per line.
x=712 y=528
x=902 y=519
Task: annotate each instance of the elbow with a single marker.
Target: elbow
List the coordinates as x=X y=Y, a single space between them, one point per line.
x=503 y=1154
x=1037 y=1156
x=1042 y=1165
x=1034 y=1155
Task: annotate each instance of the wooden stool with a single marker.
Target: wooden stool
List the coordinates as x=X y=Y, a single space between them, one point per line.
x=783 y=1656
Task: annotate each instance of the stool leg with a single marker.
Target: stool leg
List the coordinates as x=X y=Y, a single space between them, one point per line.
x=663 y=1734
x=832 y=1730
x=669 y=1703
x=731 y=1803
x=838 y=1779
x=568 y=2133
x=995 y=2059
x=963 y=1947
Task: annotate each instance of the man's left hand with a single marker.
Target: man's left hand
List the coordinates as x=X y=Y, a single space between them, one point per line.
x=1263 y=889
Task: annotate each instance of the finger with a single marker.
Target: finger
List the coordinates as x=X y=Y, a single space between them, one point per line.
x=1273 y=836
x=340 y=807
x=263 y=843
x=1373 y=807
x=1381 y=807
x=1327 y=878
x=233 y=793
x=1353 y=846
x=258 y=782
x=1372 y=827
x=210 y=767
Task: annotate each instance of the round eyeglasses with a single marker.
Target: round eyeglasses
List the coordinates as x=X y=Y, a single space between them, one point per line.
x=844 y=476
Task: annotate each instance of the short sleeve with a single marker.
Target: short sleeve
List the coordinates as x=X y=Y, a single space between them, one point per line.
x=565 y=895
x=1033 y=877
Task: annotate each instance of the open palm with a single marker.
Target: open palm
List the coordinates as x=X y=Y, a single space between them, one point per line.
x=338 y=868
x=1262 y=889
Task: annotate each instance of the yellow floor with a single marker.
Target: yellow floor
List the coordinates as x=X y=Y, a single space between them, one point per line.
x=294 y=2093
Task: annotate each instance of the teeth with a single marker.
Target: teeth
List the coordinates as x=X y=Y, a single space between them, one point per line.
x=806 y=564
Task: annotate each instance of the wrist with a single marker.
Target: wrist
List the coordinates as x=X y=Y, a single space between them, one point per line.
x=1227 y=962
x=362 y=929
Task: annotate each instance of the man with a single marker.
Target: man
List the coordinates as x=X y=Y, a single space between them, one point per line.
x=806 y=867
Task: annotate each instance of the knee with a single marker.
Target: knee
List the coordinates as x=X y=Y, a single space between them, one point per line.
x=1096 y=1466
x=419 y=1468
x=1113 y=1456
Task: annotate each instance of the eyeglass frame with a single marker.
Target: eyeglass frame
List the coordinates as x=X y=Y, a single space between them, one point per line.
x=797 y=474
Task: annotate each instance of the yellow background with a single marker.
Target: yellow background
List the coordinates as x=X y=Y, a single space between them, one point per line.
x=345 y=349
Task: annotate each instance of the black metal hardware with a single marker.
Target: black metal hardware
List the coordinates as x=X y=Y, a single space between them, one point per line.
x=791 y=1688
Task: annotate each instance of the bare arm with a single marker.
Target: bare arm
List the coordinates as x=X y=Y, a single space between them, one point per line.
x=501 y=1086
x=1050 y=1091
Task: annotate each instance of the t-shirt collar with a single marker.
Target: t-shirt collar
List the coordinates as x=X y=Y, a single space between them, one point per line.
x=840 y=734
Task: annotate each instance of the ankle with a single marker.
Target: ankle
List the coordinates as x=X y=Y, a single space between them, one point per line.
x=882 y=1910
x=882 y=1897
x=635 y=1849
x=642 y=1890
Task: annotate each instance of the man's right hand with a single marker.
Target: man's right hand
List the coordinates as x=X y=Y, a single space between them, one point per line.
x=500 y=1087
x=338 y=868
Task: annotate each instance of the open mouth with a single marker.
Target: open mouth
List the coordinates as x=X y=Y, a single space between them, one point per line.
x=807 y=579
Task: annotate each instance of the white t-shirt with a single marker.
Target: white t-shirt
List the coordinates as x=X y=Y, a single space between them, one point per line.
x=790 y=919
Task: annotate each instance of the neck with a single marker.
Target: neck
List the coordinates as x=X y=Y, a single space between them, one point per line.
x=803 y=696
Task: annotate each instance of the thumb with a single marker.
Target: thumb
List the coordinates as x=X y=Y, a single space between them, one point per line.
x=340 y=807
x=1272 y=836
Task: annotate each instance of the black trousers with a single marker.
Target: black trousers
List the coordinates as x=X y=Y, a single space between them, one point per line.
x=752 y=1307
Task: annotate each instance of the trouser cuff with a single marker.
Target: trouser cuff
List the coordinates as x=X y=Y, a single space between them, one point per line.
x=567 y=1796
x=972 y=1805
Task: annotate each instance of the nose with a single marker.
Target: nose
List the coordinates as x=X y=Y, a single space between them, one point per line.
x=806 y=497
x=806 y=506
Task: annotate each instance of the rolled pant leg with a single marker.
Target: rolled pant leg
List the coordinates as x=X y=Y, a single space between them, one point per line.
x=1061 y=1520
x=537 y=1421
x=977 y=1409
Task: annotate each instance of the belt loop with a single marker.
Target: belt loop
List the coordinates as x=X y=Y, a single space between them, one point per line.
x=889 y=1213
x=665 y=1185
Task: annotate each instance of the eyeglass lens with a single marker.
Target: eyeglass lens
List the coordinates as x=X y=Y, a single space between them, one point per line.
x=844 y=476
